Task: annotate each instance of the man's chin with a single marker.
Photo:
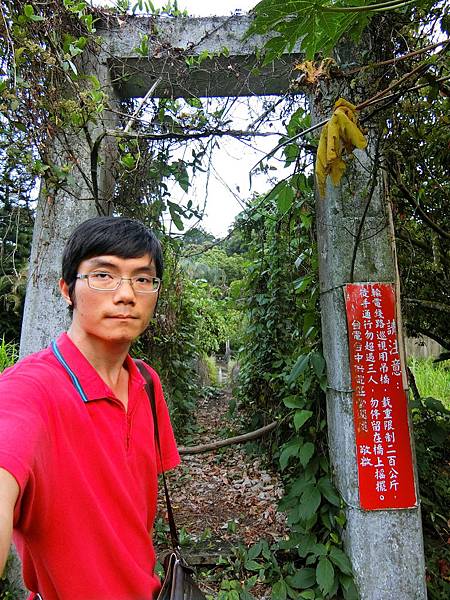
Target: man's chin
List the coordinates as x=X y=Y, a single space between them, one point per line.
x=122 y=337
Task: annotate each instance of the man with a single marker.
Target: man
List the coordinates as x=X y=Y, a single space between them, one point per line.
x=78 y=464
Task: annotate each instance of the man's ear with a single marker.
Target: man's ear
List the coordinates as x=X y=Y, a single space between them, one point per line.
x=64 y=289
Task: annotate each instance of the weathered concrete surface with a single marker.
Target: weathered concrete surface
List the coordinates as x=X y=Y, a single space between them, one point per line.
x=340 y=220
x=386 y=554
x=385 y=547
x=172 y=40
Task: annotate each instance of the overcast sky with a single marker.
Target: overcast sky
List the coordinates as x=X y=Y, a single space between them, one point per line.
x=203 y=8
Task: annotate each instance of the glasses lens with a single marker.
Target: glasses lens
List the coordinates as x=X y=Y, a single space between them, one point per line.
x=103 y=281
x=145 y=284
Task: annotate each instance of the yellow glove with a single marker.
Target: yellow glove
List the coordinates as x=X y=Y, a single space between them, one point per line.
x=340 y=135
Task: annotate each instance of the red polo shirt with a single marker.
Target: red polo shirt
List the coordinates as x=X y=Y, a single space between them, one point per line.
x=87 y=473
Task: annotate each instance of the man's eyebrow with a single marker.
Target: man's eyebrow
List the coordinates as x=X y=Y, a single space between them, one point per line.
x=99 y=263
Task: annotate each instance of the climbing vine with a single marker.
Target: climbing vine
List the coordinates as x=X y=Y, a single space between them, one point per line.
x=283 y=378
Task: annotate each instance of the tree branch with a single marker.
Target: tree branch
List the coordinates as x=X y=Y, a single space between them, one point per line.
x=142 y=104
x=429 y=304
x=397 y=59
x=379 y=97
x=239 y=439
x=414 y=242
x=416 y=205
x=413 y=384
x=417 y=329
x=390 y=5
x=190 y=136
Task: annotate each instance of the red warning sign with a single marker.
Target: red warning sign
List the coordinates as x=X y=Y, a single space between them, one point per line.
x=383 y=445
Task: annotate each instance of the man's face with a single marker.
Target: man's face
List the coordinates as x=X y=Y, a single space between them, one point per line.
x=117 y=316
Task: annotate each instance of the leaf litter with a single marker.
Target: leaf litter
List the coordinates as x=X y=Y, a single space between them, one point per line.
x=222 y=498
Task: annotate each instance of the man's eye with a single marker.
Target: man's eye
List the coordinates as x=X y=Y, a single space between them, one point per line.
x=102 y=276
x=144 y=279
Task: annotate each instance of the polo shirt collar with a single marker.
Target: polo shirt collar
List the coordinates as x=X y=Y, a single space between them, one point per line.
x=90 y=381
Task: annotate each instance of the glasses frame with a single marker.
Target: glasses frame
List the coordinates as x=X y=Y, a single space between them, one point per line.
x=119 y=283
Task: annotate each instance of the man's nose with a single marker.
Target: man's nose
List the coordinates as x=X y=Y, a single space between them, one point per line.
x=125 y=292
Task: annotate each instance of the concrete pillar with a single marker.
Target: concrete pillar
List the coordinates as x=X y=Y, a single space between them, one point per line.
x=61 y=209
x=385 y=547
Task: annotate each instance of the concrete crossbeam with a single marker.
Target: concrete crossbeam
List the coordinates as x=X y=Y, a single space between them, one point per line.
x=230 y=69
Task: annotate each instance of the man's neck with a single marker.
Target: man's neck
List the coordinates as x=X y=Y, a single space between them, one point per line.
x=107 y=358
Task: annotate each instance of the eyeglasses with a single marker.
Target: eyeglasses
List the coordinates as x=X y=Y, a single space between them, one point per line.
x=107 y=282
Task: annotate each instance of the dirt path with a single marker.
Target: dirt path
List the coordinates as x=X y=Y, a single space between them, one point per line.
x=222 y=498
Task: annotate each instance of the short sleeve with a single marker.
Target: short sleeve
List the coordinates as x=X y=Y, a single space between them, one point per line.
x=22 y=426
x=169 y=451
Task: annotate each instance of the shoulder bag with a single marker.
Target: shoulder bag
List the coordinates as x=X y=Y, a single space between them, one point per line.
x=178 y=581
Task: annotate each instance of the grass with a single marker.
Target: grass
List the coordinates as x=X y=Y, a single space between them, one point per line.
x=8 y=354
x=432 y=379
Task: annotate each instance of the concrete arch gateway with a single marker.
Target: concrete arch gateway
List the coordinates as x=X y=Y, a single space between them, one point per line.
x=355 y=241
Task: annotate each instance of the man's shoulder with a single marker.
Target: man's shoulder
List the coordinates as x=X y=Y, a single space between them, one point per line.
x=150 y=370
x=39 y=366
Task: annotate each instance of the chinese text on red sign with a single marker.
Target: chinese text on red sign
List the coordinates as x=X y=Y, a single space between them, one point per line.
x=383 y=447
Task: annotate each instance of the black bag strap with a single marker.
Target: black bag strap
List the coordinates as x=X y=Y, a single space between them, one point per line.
x=151 y=396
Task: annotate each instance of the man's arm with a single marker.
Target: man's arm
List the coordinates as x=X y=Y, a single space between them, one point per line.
x=9 y=492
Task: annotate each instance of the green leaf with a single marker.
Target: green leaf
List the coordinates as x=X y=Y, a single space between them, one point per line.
x=308 y=595
x=318 y=363
x=299 y=485
x=19 y=125
x=28 y=11
x=304 y=578
x=325 y=575
x=318 y=30
x=302 y=283
x=306 y=452
x=175 y=217
x=181 y=175
x=300 y=365
x=300 y=418
x=289 y=450
x=291 y=152
x=349 y=588
x=328 y=490
x=319 y=550
x=285 y=198
x=294 y=401
x=252 y=565
x=341 y=560
x=128 y=161
x=279 y=591
x=305 y=544
x=273 y=48
x=310 y=502
x=254 y=551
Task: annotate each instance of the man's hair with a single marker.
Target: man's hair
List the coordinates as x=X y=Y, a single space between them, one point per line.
x=115 y=236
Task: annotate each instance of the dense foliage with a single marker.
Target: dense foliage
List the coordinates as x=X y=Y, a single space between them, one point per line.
x=408 y=68
x=282 y=378
x=193 y=320
x=431 y=432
